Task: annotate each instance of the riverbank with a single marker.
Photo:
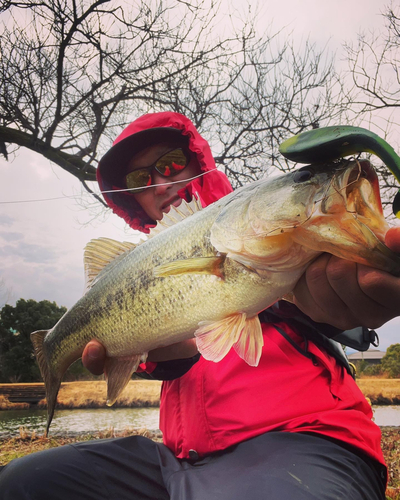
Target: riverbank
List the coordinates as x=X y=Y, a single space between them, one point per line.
x=381 y=391
x=93 y=394
x=30 y=442
x=27 y=443
x=146 y=393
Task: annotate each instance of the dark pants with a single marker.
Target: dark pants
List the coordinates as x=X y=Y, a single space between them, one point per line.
x=273 y=466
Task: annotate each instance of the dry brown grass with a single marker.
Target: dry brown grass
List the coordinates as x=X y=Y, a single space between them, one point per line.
x=27 y=443
x=380 y=390
x=391 y=452
x=146 y=393
x=140 y=393
x=92 y=394
x=5 y=404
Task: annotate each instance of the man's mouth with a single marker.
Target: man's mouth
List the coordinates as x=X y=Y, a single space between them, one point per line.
x=175 y=201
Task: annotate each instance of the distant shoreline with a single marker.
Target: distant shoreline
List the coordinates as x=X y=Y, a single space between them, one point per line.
x=146 y=393
x=91 y=394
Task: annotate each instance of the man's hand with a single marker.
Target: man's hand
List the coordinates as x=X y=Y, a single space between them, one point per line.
x=94 y=354
x=346 y=295
x=94 y=357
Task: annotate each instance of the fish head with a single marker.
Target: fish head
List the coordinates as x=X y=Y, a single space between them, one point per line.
x=286 y=221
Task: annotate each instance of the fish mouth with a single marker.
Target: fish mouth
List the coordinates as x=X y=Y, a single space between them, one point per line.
x=355 y=190
x=348 y=221
x=363 y=179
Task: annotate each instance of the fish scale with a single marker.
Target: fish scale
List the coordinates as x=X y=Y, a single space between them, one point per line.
x=210 y=274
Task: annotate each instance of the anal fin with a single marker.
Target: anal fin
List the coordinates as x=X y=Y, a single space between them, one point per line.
x=118 y=372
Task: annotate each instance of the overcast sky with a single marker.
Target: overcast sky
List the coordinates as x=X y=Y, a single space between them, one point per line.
x=41 y=243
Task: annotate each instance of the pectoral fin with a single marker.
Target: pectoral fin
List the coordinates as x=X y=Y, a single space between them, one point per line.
x=215 y=339
x=250 y=343
x=199 y=265
x=118 y=372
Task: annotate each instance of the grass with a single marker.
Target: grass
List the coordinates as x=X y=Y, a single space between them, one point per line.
x=6 y=405
x=391 y=452
x=140 y=393
x=27 y=443
x=93 y=394
x=380 y=390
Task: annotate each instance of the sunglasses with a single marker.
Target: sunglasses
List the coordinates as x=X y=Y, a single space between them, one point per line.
x=168 y=165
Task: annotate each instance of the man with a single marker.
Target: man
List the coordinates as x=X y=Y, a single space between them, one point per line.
x=296 y=426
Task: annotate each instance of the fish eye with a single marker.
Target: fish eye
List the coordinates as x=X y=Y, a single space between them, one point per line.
x=303 y=175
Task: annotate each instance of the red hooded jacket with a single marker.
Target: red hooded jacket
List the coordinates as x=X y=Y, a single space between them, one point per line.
x=210 y=187
x=297 y=387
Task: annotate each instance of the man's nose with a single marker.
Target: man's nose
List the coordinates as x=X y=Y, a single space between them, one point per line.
x=161 y=184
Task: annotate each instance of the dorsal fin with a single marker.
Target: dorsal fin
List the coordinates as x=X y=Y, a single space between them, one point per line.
x=98 y=254
x=175 y=215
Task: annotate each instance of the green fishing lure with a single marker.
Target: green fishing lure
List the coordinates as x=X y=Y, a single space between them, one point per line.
x=331 y=143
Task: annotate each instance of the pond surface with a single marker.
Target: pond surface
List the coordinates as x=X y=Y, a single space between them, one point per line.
x=77 y=421
x=101 y=419
x=387 y=416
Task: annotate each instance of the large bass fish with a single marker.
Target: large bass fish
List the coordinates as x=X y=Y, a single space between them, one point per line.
x=212 y=272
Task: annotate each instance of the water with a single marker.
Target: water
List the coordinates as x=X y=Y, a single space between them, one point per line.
x=101 y=419
x=79 y=421
x=387 y=416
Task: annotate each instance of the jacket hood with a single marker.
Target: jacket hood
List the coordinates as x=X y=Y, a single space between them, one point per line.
x=147 y=130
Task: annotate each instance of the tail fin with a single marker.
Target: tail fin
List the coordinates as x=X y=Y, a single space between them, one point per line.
x=51 y=381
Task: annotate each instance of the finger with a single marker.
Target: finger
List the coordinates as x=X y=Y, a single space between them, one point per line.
x=303 y=299
x=392 y=239
x=314 y=296
x=350 y=282
x=383 y=289
x=319 y=280
x=94 y=357
x=303 y=293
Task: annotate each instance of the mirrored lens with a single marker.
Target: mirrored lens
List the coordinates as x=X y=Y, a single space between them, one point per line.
x=138 y=179
x=171 y=163
x=168 y=165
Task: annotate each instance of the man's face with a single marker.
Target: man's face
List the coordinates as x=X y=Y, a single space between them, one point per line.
x=157 y=200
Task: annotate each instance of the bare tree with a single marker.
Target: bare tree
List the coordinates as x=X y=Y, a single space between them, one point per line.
x=374 y=64
x=72 y=74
